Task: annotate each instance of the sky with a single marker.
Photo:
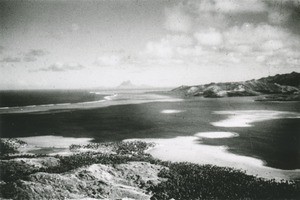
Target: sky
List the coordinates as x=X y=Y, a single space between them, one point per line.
x=59 y=44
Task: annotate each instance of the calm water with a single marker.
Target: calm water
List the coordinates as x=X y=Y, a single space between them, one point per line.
x=275 y=141
x=43 y=97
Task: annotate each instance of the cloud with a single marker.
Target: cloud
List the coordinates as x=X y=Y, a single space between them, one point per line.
x=75 y=27
x=167 y=46
x=210 y=37
x=276 y=16
x=239 y=6
x=10 y=59
x=283 y=12
x=228 y=6
x=33 y=54
x=30 y=56
x=29 y=59
x=62 y=67
x=191 y=15
x=213 y=38
x=36 y=52
x=177 y=20
x=2 y=49
x=109 y=60
x=260 y=37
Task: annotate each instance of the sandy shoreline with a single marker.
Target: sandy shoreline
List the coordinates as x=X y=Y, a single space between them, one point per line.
x=184 y=148
x=179 y=149
x=190 y=149
x=246 y=118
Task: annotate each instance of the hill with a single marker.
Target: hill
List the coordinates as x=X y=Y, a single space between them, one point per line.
x=129 y=85
x=279 y=87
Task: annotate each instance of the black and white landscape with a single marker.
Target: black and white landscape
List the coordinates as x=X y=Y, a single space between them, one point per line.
x=126 y=99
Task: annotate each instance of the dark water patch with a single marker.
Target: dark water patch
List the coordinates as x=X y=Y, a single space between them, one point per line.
x=274 y=141
x=277 y=142
x=44 y=97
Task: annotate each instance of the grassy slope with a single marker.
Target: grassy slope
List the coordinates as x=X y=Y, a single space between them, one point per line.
x=183 y=180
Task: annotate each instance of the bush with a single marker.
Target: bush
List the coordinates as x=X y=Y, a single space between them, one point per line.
x=75 y=161
x=134 y=147
x=10 y=145
x=191 y=181
x=12 y=171
x=181 y=180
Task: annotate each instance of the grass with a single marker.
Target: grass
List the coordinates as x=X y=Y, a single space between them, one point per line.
x=181 y=180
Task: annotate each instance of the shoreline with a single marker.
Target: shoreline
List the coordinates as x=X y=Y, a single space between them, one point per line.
x=187 y=149
x=126 y=170
x=178 y=149
x=110 y=100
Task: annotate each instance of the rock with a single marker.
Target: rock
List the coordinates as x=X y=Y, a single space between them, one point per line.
x=95 y=181
x=43 y=162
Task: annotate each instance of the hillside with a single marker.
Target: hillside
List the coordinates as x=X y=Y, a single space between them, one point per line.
x=278 y=87
x=124 y=170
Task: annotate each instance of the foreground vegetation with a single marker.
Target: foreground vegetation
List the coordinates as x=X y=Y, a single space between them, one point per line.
x=181 y=180
x=10 y=146
x=192 y=181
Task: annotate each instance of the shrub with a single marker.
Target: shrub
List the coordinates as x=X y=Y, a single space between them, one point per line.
x=191 y=181
x=134 y=147
x=10 y=145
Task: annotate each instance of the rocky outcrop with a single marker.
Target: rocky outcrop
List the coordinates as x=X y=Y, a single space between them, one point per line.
x=96 y=181
x=287 y=84
x=119 y=170
x=10 y=145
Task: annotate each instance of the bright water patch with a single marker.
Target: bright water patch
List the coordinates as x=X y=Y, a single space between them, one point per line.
x=188 y=149
x=216 y=134
x=171 y=111
x=245 y=118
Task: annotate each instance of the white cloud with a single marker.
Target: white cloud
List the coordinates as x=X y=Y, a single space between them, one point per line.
x=177 y=20
x=293 y=61
x=278 y=16
x=34 y=54
x=190 y=51
x=210 y=37
x=254 y=36
x=272 y=45
x=75 y=27
x=61 y=67
x=250 y=44
x=265 y=44
x=159 y=49
x=10 y=59
x=260 y=58
x=109 y=60
x=230 y=6
x=167 y=46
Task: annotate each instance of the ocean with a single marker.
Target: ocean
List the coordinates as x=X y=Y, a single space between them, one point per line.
x=268 y=131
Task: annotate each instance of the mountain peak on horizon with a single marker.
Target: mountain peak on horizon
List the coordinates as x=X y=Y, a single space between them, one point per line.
x=127 y=83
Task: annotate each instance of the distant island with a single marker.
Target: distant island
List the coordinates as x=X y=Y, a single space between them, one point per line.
x=281 y=87
x=129 y=85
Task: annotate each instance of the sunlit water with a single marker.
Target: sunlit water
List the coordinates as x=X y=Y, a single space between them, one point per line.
x=267 y=132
